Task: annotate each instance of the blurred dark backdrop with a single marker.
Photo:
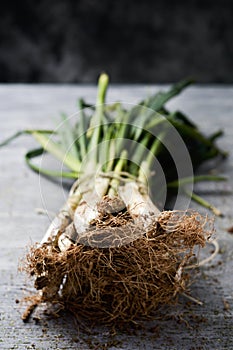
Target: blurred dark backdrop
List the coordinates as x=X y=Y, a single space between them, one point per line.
x=134 y=41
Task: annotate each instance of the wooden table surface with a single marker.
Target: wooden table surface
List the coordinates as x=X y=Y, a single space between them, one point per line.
x=22 y=192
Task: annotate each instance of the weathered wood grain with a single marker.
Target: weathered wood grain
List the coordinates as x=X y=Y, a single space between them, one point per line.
x=22 y=191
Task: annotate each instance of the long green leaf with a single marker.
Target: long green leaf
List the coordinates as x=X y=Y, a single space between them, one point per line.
x=55 y=149
x=196 y=135
x=82 y=128
x=67 y=137
x=96 y=123
x=38 y=152
x=157 y=101
x=23 y=132
x=204 y=203
x=195 y=179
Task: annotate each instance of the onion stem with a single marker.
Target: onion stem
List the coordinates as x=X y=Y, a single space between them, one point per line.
x=54 y=148
x=203 y=202
x=93 y=133
x=114 y=184
x=194 y=179
x=100 y=143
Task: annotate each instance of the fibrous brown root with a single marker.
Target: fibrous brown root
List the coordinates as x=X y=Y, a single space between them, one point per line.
x=125 y=282
x=34 y=301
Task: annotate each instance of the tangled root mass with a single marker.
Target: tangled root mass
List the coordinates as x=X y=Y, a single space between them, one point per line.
x=124 y=282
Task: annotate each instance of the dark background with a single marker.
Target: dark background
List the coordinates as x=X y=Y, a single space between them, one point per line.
x=134 y=41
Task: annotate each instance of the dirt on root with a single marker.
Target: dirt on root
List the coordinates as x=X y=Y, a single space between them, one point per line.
x=126 y=282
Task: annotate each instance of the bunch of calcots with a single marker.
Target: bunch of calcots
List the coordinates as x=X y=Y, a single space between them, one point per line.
x=110 y=253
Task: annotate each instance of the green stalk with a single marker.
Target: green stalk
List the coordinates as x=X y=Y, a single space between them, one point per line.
x=145 y=169
x=157 y=119
x=111 y=156
x=24 y=132
x=215 y=135
x=203 y=203
x=157 y=102
x=107 y=148
x=122 y=123
x=196 y=135
x=53 y=148
x=93 y=133
x=82 y=130
x=105 y=141
x=118 y=168
x=38 y=152
x=195 y=179
x=138 y=154
x=97 y=117
x=68 y=137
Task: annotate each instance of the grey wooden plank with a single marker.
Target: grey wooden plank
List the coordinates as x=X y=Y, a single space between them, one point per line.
x=21 y=192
